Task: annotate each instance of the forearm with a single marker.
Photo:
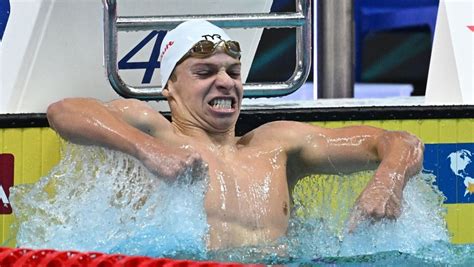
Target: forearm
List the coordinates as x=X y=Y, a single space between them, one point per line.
x=89 y=122
x=401 y=156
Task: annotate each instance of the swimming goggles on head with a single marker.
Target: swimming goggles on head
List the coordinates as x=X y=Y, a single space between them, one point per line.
x=206 y=48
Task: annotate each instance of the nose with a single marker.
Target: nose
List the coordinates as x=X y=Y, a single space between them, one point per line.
x=224 y=81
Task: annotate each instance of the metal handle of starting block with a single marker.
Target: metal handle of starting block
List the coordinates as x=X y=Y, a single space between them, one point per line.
x=301 y=20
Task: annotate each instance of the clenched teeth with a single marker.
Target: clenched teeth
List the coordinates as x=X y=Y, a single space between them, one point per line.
x=221 y=103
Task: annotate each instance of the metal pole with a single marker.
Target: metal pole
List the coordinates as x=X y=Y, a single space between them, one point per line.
x=335 y=43
x=301 y=20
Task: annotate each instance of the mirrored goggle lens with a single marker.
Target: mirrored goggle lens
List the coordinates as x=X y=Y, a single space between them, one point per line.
x=205 y=48
x=233 y=47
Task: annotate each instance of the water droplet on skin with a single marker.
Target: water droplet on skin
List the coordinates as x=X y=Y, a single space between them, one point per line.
x=223 y=188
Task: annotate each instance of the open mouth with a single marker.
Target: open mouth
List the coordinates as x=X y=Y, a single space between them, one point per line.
x=222 y=104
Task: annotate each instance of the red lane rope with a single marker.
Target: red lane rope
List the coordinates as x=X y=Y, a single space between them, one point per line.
x=23 y=257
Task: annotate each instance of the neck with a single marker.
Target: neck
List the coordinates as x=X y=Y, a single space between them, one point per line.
x=215 y=137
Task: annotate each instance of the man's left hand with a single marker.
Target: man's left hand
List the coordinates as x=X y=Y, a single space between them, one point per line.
x=376 y=202
x=402 y=157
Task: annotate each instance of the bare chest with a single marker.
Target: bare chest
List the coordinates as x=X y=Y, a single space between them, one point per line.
x=248 y=186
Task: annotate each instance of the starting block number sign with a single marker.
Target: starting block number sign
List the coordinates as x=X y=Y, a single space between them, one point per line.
x=138 y=57
x=155 y=38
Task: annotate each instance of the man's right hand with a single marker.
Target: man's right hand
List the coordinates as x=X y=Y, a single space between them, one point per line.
x=171 y=164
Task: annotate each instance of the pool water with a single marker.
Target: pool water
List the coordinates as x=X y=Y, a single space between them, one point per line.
x=99 y=200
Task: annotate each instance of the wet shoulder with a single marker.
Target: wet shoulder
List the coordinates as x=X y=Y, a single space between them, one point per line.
x=279 y=132
x=140 y=115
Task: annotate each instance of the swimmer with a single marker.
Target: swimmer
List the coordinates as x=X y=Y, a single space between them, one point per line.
x=251 y=176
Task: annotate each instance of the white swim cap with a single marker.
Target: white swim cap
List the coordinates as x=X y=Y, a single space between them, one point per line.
x=181 y=39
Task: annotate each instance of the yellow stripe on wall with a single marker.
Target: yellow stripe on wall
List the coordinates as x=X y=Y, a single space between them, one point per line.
x=460 y=218
x=430 y=131
x=37 y=150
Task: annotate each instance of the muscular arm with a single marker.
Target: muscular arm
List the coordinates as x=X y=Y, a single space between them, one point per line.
x=140 y=115
x=129 y=126
x=357 y=148
x=90 y=122
x=395 y=155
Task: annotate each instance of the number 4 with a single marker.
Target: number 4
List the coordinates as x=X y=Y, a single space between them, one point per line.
x=152 y=64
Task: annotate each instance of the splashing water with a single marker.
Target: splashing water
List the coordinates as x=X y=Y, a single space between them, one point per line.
x=100 y=200
x=420 y=225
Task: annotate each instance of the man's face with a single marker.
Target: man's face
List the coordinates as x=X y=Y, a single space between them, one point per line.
x=207 y=92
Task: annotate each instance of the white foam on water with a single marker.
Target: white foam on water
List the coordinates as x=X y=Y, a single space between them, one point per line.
x=420 y=225
x=99 y=200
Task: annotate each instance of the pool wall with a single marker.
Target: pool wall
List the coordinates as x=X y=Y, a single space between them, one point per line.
x=36 y=149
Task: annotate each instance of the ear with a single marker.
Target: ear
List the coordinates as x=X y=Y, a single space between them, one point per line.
x=168 y=91
x=165 y=92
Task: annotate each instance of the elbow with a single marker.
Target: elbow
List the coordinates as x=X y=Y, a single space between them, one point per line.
x=410 y=150
x=403 y=139
x=60 y=112
x=416 y=150
x=412 y=142
x=54 y=111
